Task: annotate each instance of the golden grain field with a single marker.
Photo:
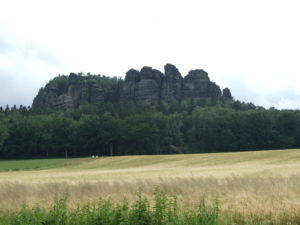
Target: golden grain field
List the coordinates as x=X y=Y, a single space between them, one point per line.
x=264 y=183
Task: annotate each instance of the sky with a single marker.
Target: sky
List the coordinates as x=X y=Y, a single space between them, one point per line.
x=250 y=46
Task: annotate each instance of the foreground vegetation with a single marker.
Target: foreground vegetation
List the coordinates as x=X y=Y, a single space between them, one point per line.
x=164 y=211
x=161 y=210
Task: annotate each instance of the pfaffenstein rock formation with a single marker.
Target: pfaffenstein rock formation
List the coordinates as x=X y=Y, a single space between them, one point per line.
x=147 y=86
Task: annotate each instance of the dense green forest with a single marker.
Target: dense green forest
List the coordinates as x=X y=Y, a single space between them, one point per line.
x=201 y=125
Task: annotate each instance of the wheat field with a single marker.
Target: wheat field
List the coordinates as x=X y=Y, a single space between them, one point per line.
x=261 y=184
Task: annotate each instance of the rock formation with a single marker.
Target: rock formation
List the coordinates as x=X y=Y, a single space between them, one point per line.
x=78 y=90
x=227 y=93
x=198 y=85
x=171 y=84
x=143 y=86
x=147 y=86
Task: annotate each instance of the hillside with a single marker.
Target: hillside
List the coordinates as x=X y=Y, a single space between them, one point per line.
x=148 y=86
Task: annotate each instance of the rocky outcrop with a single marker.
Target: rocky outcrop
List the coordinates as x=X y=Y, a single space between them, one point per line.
x=171 y=84
x=53 y=97
x=227 y=93
x=83 y=90
x=75 y=91
x=198 y=85
x=147 y=86
x=151 y=86
x=143 y=86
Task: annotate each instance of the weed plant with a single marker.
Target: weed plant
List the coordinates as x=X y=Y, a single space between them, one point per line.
x=164 y=210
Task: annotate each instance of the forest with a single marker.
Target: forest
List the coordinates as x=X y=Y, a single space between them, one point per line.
x=191 y=126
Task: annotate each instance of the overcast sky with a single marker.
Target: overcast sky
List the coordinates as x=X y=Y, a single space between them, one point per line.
x=250 y=46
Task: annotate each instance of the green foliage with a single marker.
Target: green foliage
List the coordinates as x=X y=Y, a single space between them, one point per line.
x=209 y=215
x=3 y=134
x=163 y=210
x=58 y=215
x=141 y=213
x=60 y=82
x=125 y=129
x=35 y=164
x=104 y=212
x=26 y=216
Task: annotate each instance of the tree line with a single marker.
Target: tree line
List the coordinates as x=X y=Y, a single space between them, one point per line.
x=193 y=126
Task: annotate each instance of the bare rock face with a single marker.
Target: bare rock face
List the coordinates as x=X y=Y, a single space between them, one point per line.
x=55 y=98
x=129 y=91
x=84 y=90
x=171 y=84
x=143 y=86
x=149 y=86
x=75 y=91
x=227 y=93
x=64 y=101
x=198 y=85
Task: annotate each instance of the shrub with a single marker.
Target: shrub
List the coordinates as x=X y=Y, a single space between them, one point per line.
x=104 y=212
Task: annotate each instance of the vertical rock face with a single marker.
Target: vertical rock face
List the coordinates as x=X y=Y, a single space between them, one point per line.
x=171 y=84
x=227 y=93
x=75 y=91
x=198 y=85
x=143 y=86
x=151 y=86
x=83 y=90
x=129 y=91
x=148 y=86
x=58 y=100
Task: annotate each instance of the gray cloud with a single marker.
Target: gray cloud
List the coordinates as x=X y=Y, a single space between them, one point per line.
x=12 y=43
x=15 y=88
x=25 y=66
x=6 y=47
x=285 y=97
x=40 y=52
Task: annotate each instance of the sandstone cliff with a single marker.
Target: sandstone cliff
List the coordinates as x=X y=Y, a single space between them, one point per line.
x=147 y=86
